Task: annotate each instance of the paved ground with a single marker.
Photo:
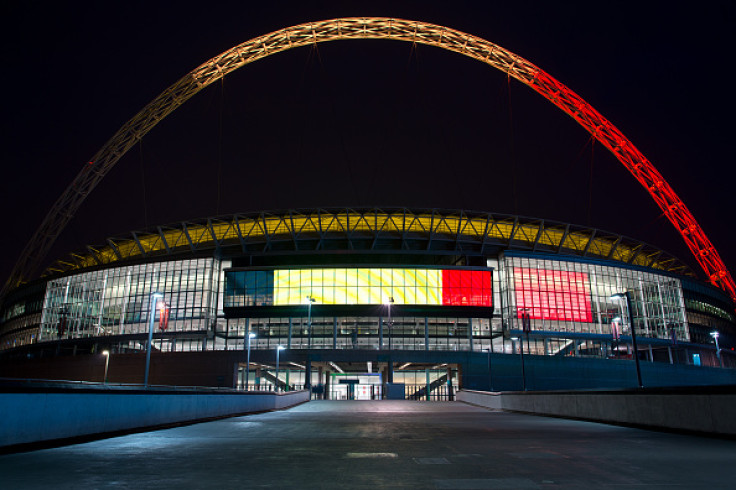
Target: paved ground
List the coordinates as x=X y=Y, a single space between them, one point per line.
x=382 y=444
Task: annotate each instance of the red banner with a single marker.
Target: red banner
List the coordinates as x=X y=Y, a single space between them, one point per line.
x=163 y=315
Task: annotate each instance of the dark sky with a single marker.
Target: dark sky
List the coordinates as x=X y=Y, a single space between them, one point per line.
x=364 y=123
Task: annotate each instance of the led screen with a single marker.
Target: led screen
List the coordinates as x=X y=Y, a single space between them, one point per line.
x=553 y=295
x=359 y=286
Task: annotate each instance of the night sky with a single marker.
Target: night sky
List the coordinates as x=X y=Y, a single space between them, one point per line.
x=368 y=123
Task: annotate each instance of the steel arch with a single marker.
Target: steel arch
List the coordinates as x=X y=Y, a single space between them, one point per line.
x=373 y=28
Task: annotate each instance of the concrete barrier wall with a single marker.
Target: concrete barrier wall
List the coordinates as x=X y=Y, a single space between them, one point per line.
x=698 y=411
x=36 y=417
x=579 y=373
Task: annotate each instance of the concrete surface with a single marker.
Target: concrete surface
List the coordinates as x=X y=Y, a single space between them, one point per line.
x=382 y=444
x=707 y=410
x=38 y=415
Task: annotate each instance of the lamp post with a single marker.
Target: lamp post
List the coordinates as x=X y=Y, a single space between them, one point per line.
x=523 y=369
x=630 y=310
x=310 y=300
x=715 y=336
x=106 y=353
x=308 y=365
x=151 y=318
x=490 y=379
x=250 y=336
x=279 y=348
x=390 y=323
x=526 y=326
x=615 y=334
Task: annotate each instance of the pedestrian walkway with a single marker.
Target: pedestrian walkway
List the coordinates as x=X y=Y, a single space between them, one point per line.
x=381 y=444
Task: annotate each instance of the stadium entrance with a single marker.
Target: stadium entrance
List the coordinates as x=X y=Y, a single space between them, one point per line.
x=355 y=380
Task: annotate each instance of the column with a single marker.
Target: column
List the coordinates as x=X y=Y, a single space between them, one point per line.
x=450 y=394
x=426 y=333
x=470 y=333
x=319 y=379
x=380 y=333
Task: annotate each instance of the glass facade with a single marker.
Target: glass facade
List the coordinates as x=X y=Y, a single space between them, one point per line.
x=118 y=301
x=364 y=332
x=209 y=305
x=21 y=331
x=576 y=298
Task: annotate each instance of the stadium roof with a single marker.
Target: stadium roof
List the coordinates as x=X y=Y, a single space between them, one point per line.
x=374 y=229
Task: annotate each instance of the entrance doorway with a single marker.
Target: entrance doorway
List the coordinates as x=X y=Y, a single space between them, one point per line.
x=356 y=380
x=350 y=386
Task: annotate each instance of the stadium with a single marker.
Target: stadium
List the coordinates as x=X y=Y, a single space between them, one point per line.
x=365 y=297
x=365 y=303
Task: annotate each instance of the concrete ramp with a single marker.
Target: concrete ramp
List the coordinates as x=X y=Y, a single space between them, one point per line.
x=34 y=415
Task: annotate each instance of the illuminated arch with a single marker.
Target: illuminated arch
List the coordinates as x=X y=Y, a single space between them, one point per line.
x=373 y=28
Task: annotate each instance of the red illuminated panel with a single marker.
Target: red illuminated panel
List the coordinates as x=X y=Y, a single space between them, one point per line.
x=466 y=288
x=553 y=295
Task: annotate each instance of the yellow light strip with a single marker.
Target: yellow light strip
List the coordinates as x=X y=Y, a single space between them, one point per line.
x=373 y=222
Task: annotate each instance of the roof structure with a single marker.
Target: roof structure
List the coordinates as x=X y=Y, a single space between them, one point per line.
x=370 y=229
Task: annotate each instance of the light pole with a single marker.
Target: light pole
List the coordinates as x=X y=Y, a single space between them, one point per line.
x=310 y=300
x=715 y=336
x=250 y=336
x=523 y=369
x=308 y=365
x=526 y=326
x=630 y=311
x=490 y=379
x=106 y=353
x=390 y=323
x=615 y=334
x=279 y=348
x=151 y=318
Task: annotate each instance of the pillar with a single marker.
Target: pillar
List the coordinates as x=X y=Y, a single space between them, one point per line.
x=308 y=374
x=450 y=394
x=380 y=333
x=470 y=333
x=319 y=379
x=426 y=333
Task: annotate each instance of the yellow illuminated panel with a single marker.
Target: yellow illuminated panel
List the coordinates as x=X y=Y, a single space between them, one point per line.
x=364 y=286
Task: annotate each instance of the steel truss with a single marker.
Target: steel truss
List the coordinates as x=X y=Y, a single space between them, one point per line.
x=372 y=28
x=371 y=230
